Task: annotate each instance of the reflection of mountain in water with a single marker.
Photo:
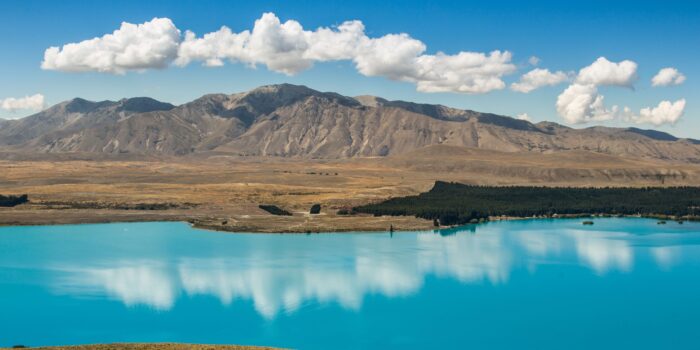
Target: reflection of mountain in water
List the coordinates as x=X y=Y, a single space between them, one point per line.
x=346 y=273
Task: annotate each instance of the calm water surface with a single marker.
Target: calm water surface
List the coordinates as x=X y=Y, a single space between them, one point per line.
x=544 y=284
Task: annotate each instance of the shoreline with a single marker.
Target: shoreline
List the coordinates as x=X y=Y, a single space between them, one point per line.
x=246 y=223
x=352 y=224
x=144 y=346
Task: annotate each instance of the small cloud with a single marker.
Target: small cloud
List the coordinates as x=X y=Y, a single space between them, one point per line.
x=668 y=76
x=35 y=103
x=666 y=112
x=604 y=72
x=524 y=116
x=538 y=78
x=534 y=60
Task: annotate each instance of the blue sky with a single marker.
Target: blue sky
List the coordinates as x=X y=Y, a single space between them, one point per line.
x=565 y=35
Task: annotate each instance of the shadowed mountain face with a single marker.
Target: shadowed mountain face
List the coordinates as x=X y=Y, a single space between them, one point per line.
x=42 y=132
x=295 y=121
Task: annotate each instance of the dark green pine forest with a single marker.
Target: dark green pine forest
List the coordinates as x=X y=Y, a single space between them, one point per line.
x=454 y=203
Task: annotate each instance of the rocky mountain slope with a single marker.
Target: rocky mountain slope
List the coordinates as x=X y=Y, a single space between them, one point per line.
x=295 y=121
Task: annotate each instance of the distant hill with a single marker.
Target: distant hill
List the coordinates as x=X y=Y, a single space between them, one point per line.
x=296 y=121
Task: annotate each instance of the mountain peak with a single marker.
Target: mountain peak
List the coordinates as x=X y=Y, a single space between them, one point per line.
x=276 y=95
x=267 y=98
x=371 y=101
x=80 y=105
x=134 y=105
x=143 y=105
x=284 y=88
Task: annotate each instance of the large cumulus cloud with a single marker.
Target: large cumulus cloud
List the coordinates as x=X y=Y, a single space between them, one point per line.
x=153 y=44
x=604 y=72
x=666 y=112
x=285 y=47
x=581 y=102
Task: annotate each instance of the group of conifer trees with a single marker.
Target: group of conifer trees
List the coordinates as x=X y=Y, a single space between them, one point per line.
x=453 y=203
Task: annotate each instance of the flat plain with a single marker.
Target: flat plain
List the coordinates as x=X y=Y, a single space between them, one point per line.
x=222 y=192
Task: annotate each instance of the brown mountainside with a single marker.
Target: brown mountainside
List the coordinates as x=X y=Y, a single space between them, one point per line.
x=295 y=121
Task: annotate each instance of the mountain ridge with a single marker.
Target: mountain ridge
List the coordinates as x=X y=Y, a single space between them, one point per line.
x=296 y=121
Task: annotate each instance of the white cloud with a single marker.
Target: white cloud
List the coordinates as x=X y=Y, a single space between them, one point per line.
x=212 y=48
x=533 y=60
x=285 y=47
x=538 y=78
x=668 y=76
x=666 y=257
x=137 y=47
x=524 y=116
x=582 y=103
x=282 y=47
x=604 y=72
x=603 y=251
x=393 y=56
x=465 y=72
x=666 y=112
x=346 y=274
x=288 y=48
x=35 y=102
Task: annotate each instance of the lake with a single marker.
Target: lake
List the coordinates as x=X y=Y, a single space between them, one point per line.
x=543 y=284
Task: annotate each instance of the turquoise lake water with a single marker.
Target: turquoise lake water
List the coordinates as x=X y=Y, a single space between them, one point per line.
x=540 y=284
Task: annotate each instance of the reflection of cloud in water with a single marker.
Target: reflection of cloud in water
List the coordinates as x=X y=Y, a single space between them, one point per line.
x=143 y=284
x=665 y=257
x=358 y=266
x=602 y=251
x=540 y=244
x=275 y=289
x=467 y=258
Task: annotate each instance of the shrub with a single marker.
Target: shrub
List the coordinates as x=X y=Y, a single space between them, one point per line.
x=274 y=210
x=11 y=201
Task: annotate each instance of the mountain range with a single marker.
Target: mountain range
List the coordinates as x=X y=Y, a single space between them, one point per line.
x=296 y=121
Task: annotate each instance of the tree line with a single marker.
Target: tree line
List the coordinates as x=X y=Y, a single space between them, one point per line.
x=454 y=203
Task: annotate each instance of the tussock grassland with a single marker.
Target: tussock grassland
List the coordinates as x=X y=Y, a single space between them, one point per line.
x=224 y=193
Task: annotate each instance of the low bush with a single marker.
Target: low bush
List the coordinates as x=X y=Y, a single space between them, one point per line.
x=11 y=201
x=274 y=210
